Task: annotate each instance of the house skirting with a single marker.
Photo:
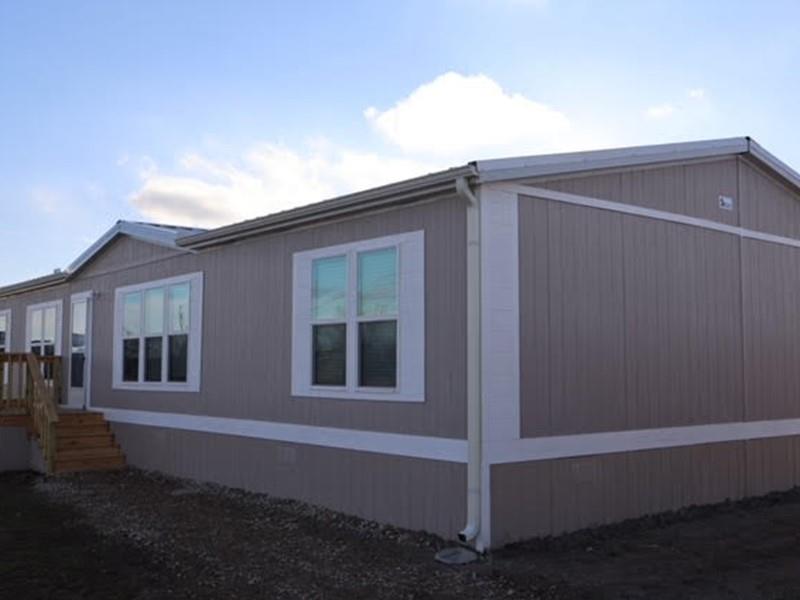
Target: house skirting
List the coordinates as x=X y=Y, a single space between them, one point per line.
x=549 y=497
x=410 y=492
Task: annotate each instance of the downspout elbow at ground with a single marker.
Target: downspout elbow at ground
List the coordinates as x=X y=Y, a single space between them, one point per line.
x=472 y=528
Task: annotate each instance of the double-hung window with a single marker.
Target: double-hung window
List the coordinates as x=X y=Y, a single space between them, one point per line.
x=157 y=334
x=358 y=320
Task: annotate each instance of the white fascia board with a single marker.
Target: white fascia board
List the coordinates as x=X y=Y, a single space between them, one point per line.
x=555 y=164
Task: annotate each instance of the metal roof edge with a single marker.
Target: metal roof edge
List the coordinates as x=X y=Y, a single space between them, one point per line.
x=30 y=285
x=575 y=162
x=409 y=190
x=150 y=233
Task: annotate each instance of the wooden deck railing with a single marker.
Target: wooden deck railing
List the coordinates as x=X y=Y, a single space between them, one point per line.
x=32 y=385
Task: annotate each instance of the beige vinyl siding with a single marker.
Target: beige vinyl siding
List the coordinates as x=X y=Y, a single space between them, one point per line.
x=768 y=205
x=247 y=310
x=626 y=322
x=534 y=499
x=124 y=252
x=632 y=323
x=408 y=492
x=689 y=189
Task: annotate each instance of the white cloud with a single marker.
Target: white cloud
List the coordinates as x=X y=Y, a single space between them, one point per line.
x=208 y=192
x=661 y=111
x=455 y=115
x=696 y=94
x=445 y=122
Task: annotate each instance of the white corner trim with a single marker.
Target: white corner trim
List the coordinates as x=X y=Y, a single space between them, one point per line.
x=630 y=209
x=412 y=446
x=59 y=306
x=411 y=321
x=500 y=314
x=610 y=442
x=195 y=359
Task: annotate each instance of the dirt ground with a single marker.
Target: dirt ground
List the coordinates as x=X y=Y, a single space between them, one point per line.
x=131 y=534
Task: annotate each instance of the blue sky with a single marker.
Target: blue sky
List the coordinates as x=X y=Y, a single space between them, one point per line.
x=209 y=112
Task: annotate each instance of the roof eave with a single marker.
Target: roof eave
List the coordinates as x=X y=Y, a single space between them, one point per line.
x=31 y=285
x=412 y=190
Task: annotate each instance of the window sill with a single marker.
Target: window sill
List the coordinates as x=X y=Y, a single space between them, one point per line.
x=368 y=395
x=157 y=387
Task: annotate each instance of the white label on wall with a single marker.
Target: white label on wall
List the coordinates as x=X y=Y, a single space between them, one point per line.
x=726 y=202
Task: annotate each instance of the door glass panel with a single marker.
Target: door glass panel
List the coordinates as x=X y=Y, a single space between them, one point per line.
x=3 y=328
x=78 y=336
x=77 y=362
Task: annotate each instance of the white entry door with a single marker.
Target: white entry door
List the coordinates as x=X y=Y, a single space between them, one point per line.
x=80 y=350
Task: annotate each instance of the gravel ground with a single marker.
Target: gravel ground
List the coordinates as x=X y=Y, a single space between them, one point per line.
x=131 y=534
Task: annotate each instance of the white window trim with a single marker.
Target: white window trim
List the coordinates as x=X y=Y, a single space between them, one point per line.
x=410 y=322
x=59 y=306
x=194 y=360
x=6 y=312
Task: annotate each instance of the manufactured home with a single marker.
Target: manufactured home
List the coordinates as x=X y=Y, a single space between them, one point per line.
x=508 y=349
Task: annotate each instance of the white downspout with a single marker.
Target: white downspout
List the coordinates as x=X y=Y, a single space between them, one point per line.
x=474 y=366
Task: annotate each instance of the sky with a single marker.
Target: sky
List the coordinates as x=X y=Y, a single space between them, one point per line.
x=206 y=113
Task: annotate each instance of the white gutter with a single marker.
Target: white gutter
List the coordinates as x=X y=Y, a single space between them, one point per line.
x=474 y=429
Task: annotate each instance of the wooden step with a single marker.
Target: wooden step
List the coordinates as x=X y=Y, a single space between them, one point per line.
x=78 y=453
x=102 y=463
x=80 y=429
x=98 y=440
x=80 y=418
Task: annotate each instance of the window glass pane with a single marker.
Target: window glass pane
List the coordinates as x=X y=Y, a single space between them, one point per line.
x=130 y=360
x=37 y=350
x=330 y=351
x=36 y=327
x=377 y=283
x=132 y=316
x=154 y=312
x=329 y=282
x=49 y=325
x=178 y=357
x=179 y=308
x=377 y=350
x=76 y=363
x=3 y=328
x=152 y=358
x=78 y=325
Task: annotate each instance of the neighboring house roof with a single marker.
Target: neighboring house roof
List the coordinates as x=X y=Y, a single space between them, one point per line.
x=421 y=188
x=153 y=233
